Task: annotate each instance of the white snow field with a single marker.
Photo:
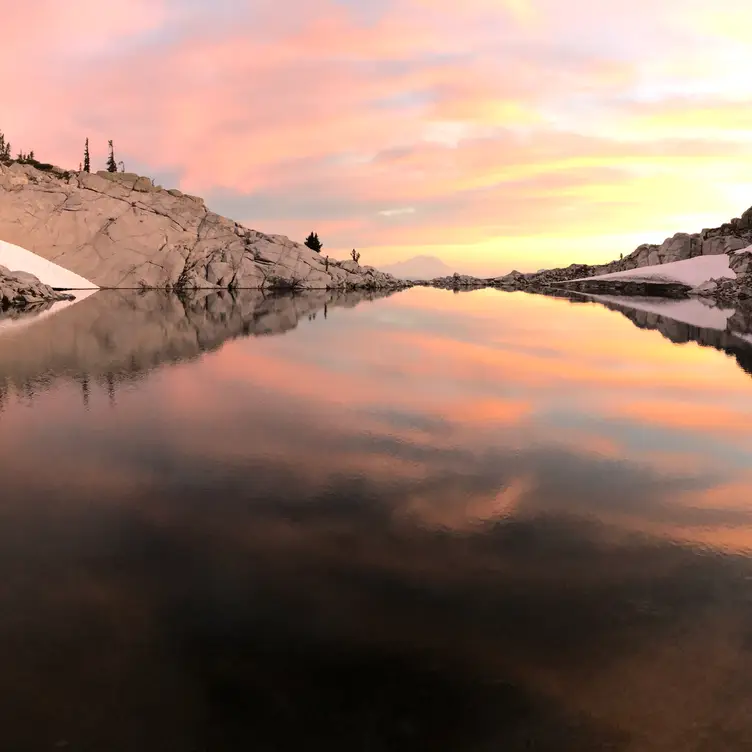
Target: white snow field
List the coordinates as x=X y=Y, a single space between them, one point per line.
x=18 y=259
x=692 y=272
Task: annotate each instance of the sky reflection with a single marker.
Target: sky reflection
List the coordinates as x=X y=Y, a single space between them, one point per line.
x=430 y=519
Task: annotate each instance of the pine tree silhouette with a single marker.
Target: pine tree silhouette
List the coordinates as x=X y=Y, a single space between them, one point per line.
x=111 y=163
x=313 y=242
x=87 y=160
x=5 y=151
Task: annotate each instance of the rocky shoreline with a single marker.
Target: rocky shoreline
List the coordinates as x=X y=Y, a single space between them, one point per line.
x=728 y=239
x=21 y=289
x=121 y=231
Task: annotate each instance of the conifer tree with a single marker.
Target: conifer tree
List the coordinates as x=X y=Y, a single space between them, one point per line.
x=313 y=242
x=111 y=163
x=87 y=160
x=5 y=151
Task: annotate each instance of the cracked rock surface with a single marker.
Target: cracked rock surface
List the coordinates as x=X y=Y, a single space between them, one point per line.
x=120 y=231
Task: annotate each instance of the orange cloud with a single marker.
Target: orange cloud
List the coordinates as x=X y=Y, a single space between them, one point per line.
x=689 y=416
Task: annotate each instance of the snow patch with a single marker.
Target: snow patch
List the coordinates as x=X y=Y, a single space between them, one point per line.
x=692 y=272
x=18 y=259
x=748 y=249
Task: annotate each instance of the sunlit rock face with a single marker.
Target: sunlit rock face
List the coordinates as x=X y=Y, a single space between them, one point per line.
x=118 y=230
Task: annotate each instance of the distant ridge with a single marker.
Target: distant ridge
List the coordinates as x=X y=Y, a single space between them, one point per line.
x=419 y=267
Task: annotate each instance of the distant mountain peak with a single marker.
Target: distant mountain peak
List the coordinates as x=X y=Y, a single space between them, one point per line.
x=419 y=267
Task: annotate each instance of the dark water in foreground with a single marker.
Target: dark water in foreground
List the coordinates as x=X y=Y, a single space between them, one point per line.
x=483 y=521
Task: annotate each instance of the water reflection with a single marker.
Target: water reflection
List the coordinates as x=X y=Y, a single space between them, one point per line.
x=709 y=325
x=429 y=522
x=117 y=336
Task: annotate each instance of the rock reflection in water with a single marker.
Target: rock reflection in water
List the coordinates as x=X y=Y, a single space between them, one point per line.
x=115 y=336
x=731 y=331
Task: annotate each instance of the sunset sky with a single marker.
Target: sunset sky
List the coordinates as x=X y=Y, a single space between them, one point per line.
x=495 y=134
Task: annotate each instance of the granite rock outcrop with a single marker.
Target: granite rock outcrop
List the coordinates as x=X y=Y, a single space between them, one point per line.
x=119 y=230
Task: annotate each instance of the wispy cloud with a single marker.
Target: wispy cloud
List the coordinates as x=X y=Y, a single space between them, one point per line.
x=397 y=212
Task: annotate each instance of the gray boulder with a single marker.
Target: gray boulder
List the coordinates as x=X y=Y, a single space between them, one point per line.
x=741 y=263
x=679 y=247
x=715 y=246
x=19 y=289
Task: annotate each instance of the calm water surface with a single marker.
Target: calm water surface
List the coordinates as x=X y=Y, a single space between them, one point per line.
x=432 y=521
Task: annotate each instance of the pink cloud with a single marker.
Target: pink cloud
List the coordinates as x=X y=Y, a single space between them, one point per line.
x=485 y=116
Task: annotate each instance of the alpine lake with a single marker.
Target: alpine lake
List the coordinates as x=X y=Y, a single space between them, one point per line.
x=423 y=521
